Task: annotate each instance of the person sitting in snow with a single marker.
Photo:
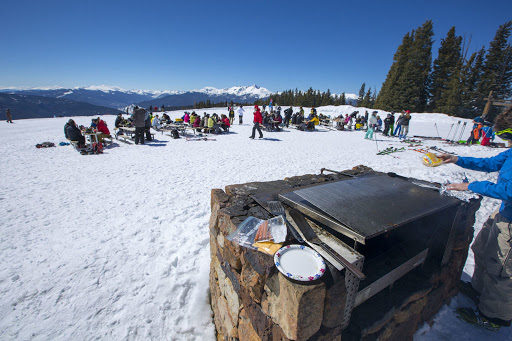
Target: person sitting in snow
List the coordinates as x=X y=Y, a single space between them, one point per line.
x=72 y=133
x=156 y=122
x=166 y=119
x=213 y=124
x=225 y=122
x=119 y=120
x=277 y=120
x=314 y=121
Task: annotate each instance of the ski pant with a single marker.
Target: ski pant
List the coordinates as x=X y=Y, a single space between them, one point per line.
x=391 y=127
x=256 y=127
x=369 y=134
x=398 y=130
x=386 y=130
x=286 y=122
x=240 y=119
x=471 y=139
x=231 y=119
x=148 y=133
x=139 y=135
x=493 y=267
x=405 y=131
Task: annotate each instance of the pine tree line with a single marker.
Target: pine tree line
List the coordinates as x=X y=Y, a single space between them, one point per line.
x=366 y=98
x=309 y=98
x=210 y=104
x=454 y=84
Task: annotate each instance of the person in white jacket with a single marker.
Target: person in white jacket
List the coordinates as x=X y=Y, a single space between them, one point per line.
x=156 y=122
x=372 y=123
x=241 y=112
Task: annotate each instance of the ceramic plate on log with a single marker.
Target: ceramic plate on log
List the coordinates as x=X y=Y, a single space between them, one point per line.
x=299 y=262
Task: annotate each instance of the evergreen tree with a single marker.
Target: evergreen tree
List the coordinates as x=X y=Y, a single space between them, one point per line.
x=374 y=98
x=343 y=100
x=407 y=83
x=497 y=69
x=450 y=101
x=387 y=99
x=414 y=81
x=445 y=66
x=471 y=75
x=367 y=99
x=360 y=99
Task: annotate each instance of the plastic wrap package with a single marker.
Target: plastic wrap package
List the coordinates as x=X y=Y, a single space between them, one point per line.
x=260 y=234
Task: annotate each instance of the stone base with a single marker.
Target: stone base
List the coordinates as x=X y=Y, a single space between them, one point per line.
x=251 y=300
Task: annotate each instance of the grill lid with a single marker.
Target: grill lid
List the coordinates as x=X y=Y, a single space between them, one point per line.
x=374 y=204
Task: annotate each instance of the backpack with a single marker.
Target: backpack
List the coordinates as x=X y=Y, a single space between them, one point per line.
x=175 y=134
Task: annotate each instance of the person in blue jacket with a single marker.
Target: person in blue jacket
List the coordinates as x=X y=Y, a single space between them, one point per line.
x=492 y=247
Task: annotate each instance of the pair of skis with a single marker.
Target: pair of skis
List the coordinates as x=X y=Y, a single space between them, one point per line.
x=436 y=149
x=390 y=150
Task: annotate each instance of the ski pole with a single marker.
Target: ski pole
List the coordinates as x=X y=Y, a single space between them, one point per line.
x=462 y=130
x=447 y=136
x=455 y=132
x=376 y=144
x=437 y=131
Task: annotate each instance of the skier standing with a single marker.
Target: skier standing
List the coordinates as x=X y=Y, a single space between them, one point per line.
x=387 y=125
x=405 y=124
x=8 y=115
x=287 y=115
x=241 y=112
x=258 y=120
x=392 y=124
x=398 y=129
x=372 y=123
x=139 y=118
x=231 y=115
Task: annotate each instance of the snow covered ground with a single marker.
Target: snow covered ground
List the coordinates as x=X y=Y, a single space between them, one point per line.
x=115 y=246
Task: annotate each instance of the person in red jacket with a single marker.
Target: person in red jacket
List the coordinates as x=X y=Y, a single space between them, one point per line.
x=225 y=124
x=101 y=126
x=258 y=120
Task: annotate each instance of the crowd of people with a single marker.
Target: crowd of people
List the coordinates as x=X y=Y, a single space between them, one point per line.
x=73 y=132
x=374 y=123
x=275 y=119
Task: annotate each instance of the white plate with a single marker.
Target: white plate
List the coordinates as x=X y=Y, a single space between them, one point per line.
x=299 y=262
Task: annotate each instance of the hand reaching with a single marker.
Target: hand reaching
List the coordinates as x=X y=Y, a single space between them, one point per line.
x=458 y=186
x=447 y=158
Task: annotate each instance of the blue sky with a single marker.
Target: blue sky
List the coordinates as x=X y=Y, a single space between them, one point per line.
x=184 y=45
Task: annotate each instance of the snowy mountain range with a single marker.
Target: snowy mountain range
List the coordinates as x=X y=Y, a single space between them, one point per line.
x=116 y=97
x=58 y=101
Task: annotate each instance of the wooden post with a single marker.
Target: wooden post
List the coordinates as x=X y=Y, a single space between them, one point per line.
x=487 y=105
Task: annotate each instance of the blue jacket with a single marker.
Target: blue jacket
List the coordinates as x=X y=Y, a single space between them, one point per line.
x=502 y=189
x=487 y=131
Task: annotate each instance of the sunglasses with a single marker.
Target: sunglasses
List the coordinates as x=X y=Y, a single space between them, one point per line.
x=505 y=134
